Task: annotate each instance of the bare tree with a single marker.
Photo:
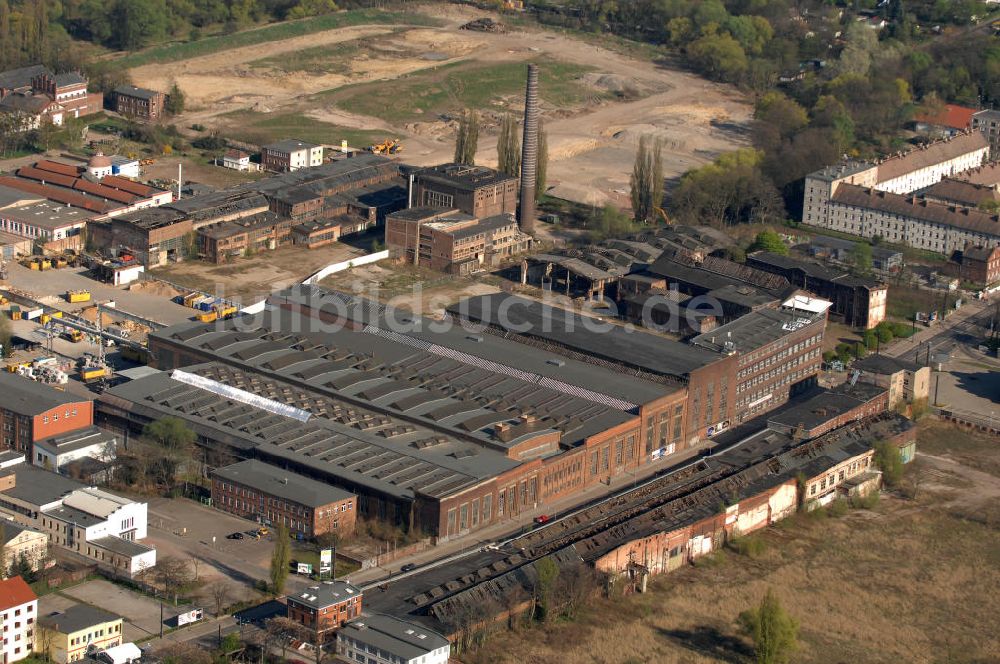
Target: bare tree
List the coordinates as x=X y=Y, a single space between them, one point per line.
x=575 y=587
x=183 y=652
x=513 y=601
x=220 y=593
x=284 y=630
x=173 y=574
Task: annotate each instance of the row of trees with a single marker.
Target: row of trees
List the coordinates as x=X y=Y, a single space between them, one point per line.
x=34 y=31
x=508 y=147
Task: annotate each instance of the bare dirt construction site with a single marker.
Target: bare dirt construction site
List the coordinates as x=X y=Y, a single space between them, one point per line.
x=913 y=579
x=367 y=82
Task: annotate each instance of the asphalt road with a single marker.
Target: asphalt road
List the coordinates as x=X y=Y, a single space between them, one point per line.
x=966 y=330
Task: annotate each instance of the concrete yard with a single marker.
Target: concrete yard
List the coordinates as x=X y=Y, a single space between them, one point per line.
x=50 y=286
x=184 y=529
x=141 y=613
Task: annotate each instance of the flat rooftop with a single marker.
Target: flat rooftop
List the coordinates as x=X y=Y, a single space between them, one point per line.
x=464 y=176
x=756 y=329
x=821 y=405
x=37 y=486
x=399 y=637
x=627 y=347
x=47 y=215
x=276 y=481
x=76 y=440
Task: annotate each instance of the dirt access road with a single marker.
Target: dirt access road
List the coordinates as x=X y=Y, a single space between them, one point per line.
x=591 y=147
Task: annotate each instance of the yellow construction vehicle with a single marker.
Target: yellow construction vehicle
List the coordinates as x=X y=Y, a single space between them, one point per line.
x=78 y=296
x=388 y=146
x=76 y=336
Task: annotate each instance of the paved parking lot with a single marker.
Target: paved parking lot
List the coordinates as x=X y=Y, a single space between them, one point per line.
x=142 y=613
x=184 y=529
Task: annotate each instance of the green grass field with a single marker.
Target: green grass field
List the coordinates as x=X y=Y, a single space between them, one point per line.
x=263 y=128
x=460 y=85
x=276 y=32
x=332 y=59
x=904 y=301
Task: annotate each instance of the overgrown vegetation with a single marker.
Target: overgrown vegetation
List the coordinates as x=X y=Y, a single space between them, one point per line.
x=773 y=631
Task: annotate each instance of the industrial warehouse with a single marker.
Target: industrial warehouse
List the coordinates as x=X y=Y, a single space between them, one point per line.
x=447 y=429
x=433 y=431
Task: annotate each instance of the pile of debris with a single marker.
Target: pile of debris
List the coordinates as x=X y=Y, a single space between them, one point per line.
x=485 y=25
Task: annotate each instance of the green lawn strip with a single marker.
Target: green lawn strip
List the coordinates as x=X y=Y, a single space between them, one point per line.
x=460 y=85
x=275 y=32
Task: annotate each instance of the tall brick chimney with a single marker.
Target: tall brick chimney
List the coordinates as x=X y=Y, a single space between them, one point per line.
x=529 y=152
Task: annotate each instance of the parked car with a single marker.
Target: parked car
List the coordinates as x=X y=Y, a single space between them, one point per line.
x=543 y=518
x=254 y=534
x=234 y=536
x=408 y=567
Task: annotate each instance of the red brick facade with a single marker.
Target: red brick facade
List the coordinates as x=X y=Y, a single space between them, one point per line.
x=19 y=432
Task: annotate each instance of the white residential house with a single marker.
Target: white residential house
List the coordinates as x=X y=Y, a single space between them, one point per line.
x=238 y=160
x=18 y=613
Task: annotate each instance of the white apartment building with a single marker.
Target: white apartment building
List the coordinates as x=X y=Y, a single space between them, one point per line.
x=18 y=613
x=88 y=521
x=382 y=639
x=870 y=200
x=290 y=155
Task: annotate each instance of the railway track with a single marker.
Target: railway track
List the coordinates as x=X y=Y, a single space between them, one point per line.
x=618 y=509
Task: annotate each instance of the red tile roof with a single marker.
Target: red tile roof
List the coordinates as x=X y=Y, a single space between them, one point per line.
x=46 y=177
x=956 y=117
x=57 y=167
x=15 y=592
x=58 y=195
x=130 y=186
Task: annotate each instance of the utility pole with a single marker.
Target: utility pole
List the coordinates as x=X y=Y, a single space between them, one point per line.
x=161 y=601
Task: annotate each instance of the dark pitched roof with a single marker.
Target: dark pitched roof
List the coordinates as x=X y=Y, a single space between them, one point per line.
x=960 y=191
x=68 y=78
x=979 y=253
x=289 y=145
x=465 y=177
x=398 y=637
x=915 y=208
x=929 y=155
x=282 y=483
x=812 y=270
x=30 y=104
x=76 y=618
x=26 y=397
x=19 y=78
x=38 y=486
x=140 y=93
x=12 y=529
